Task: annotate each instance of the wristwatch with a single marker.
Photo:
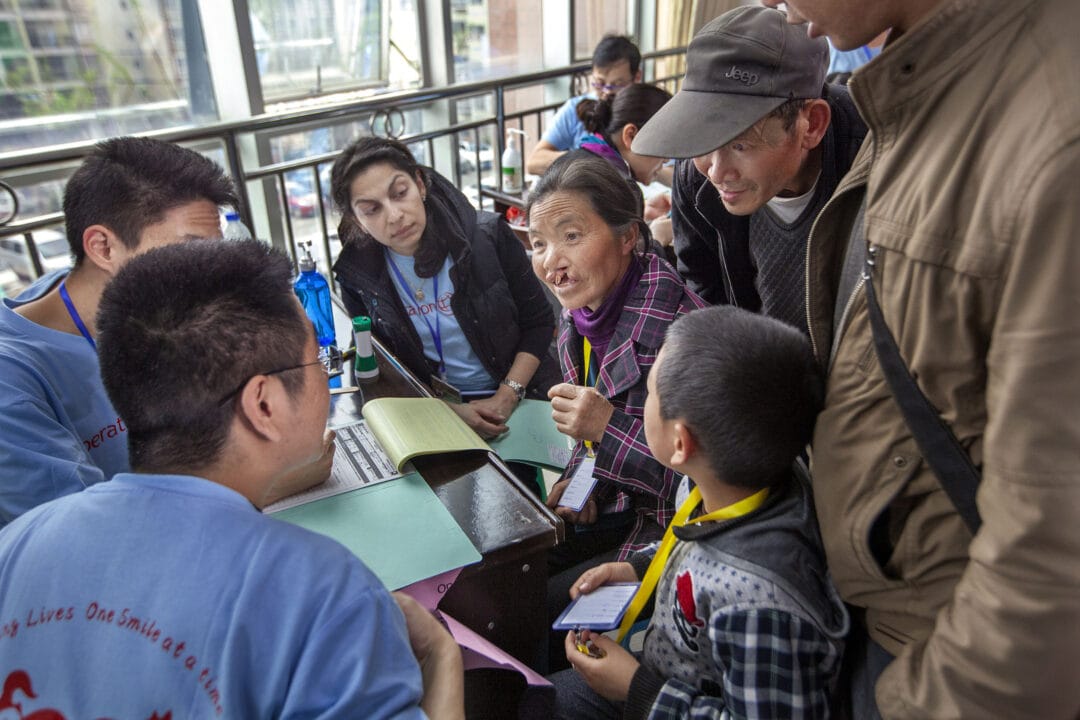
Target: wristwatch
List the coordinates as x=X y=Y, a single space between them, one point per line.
x=517 y=387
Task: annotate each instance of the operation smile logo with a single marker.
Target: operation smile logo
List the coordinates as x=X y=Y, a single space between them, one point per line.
x=744 y=76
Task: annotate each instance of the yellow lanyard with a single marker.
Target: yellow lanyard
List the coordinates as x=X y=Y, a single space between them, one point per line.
x=656 y=567
x=587 y=350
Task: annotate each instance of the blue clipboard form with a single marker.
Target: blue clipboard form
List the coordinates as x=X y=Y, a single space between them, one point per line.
x=400 y=529
x=601 y=609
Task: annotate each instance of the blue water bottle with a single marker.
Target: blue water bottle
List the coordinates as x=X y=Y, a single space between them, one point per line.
x=314 y=293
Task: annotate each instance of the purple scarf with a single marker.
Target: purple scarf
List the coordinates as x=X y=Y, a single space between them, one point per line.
x=599 y=147
x=599 y=326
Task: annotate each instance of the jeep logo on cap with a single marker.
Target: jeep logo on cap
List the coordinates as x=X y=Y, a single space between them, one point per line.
x=743 y=76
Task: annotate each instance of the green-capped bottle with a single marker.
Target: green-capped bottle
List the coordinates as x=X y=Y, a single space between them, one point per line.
x=366 y=366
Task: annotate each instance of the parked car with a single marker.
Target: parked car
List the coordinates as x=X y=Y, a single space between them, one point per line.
x=468 y=154
x=301 y=197
x=52 y=246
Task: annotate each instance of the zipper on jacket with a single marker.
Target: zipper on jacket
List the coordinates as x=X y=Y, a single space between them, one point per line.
x=843 y=317
x=806 y=281
x=720 y=256
x=807 y=285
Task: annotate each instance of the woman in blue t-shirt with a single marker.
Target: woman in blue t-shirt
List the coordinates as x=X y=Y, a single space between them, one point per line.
x=449 y=289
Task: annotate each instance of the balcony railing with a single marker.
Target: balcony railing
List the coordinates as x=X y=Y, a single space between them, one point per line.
x=459 y=130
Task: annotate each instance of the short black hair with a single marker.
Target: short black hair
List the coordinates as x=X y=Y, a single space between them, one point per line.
x=748 y=388
x=129 y=183
x=613 y=48
x=183 y=325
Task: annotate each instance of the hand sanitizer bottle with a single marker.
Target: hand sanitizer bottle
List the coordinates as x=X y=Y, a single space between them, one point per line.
x=512 y=181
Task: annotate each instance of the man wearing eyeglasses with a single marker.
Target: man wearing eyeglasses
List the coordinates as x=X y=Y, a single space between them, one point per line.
x=616 y=63
x=59 y=433
x=165 y=592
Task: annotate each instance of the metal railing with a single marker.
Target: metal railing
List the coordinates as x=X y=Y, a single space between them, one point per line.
x=264 y=188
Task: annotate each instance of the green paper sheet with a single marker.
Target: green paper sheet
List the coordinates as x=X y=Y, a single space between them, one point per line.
x=533 y=437
x=399 y=528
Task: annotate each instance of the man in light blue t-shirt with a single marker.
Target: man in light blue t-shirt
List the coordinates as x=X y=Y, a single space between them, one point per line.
x=616 y=63
x=166 y=592
x=59 y=433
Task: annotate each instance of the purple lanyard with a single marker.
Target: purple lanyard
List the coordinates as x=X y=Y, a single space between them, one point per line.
x=436 y=333
x=75 y=318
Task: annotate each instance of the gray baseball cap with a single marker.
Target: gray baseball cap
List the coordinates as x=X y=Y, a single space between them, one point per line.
x=739 y=67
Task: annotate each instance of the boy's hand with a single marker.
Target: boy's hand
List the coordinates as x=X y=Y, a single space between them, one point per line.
x=580 y=412
x=585 y=516
x=609 y=572
x=610 y=675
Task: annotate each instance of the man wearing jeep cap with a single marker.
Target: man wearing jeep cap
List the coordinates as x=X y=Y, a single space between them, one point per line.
x=763 y=143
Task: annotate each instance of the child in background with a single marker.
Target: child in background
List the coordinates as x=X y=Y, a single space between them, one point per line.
x=746 y=621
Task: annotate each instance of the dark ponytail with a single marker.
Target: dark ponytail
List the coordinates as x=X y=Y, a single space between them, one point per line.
x=634 y=104
x=595 y=115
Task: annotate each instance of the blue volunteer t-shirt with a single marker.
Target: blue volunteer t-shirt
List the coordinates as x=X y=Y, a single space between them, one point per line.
x=128 y=599
x=59 y=432
x=432 y=316
x=566 y=130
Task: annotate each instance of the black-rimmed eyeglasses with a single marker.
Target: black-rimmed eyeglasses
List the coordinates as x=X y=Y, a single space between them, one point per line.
x=607 y=87
x=324 y=362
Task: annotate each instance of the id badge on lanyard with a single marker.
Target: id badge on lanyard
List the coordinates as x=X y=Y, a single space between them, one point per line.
x=583 y=480
x=439 y=384
x=444 y=389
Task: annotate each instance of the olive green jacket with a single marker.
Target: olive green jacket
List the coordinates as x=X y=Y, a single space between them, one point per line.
x=971 y=178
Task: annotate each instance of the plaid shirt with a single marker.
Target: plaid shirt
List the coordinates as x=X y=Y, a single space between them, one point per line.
x=628 y=475
x=746 y=622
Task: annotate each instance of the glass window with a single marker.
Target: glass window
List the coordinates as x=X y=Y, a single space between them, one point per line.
x=496 y=38
x=16 y=70
x=59 y=68
x=104 y=69
x=49 y=34
x=41 y=4
x=316 y=47
x=9 y=36
x=592 y=20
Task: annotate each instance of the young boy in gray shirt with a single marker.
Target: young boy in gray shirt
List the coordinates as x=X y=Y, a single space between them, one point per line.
x=746 y=622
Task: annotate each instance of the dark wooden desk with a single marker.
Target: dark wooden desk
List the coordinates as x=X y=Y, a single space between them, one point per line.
x=503 y=202
x=503 y=596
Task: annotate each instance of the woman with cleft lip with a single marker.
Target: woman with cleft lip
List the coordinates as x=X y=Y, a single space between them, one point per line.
x=585 y=224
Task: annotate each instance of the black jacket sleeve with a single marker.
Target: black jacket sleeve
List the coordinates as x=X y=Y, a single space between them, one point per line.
x=354 y=304
x=695 y=240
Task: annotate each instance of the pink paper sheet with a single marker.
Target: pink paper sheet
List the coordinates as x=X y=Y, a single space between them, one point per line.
x=480 y=653
x=429 y=592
